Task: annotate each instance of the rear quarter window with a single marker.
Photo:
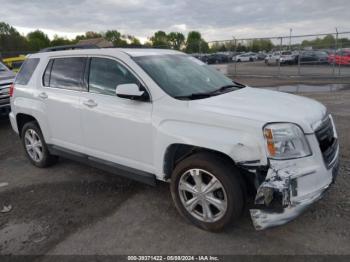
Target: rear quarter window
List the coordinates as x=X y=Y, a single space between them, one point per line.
x=67 y=73
x=26 y=71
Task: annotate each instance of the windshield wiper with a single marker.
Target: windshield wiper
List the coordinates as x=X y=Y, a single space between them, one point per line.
x=211 y=93
x=195 y=96
x=224 y=88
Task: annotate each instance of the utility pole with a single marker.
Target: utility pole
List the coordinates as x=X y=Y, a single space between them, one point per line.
x=290 y=39
x=235 y=54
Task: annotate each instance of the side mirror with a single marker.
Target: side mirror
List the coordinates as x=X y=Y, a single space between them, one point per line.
x=131 y=91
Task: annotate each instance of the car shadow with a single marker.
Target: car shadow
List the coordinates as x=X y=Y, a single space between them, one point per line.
x=4 y=120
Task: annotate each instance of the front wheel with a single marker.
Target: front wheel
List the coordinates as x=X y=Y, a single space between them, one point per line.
x=207 y=191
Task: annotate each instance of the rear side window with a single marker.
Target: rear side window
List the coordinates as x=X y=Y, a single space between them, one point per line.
x=66 y=73
x=26 y=71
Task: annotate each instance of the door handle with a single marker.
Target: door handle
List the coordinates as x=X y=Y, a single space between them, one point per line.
x=90 y=103
x=43 y=95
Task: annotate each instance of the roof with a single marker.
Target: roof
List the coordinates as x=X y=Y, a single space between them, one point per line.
x=67 y=47
x=133 y=52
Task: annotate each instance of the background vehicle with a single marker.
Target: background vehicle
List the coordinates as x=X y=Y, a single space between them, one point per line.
x=313 y=57
x=267 y=57
x=284 y=57
x=150 y=115
x=246 y=57
x=6 y=79
x=341 y=57
x=217 y=58
x=202 y=57
x=15 y=63
x=261 y=56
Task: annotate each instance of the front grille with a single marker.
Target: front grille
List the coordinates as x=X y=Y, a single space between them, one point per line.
x=328 y=143
x=4 y=93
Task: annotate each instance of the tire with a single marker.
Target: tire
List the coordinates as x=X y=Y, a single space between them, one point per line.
x=230 y=192
x=31 y=130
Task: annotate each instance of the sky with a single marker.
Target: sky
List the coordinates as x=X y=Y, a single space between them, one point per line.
x=216 y=20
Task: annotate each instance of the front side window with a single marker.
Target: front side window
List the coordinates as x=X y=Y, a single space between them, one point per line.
x=26 y=71
x=106 y=74
x=182 y=75
x=68 y=73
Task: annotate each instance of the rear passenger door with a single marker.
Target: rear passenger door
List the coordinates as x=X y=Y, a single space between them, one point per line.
x=116 y=129
x=63 y=83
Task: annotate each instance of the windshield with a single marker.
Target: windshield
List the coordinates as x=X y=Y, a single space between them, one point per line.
x=182 y=75
x=3 y=67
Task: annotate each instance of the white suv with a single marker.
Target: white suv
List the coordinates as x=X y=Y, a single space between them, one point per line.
x=162 y=115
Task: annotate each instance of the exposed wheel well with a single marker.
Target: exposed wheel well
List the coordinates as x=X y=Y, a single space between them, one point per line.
x=22 y=119
x=177 y=152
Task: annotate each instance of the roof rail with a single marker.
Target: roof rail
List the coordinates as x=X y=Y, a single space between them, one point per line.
x=68 y=47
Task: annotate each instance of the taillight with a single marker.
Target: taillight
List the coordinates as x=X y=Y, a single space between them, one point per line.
x=12 y=87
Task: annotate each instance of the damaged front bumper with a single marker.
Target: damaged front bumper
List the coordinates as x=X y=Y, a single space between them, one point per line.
x=290 y=187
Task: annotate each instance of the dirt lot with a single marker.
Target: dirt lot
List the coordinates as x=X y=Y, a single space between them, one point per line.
x=74 y=209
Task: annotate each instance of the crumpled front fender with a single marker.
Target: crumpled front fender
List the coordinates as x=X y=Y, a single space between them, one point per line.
x=278 y=200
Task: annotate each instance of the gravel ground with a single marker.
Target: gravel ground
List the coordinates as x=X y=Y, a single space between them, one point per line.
x=75 y=209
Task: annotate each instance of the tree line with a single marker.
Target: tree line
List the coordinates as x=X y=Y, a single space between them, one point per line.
x=11 y=41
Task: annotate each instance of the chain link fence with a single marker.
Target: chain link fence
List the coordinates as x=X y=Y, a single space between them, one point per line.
x=319 y=55
x=316 y=56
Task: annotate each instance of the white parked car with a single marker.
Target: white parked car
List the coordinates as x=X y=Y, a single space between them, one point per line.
x=162 y=115
x=284 y=57
x=246 y=57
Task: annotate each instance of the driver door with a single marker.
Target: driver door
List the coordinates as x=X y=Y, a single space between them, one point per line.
x=116 y=129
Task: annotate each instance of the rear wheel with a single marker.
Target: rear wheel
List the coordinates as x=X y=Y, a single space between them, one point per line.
x=35 y=146
x=207 y=191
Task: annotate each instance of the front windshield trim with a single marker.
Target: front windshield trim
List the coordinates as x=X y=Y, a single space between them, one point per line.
x=182 y=76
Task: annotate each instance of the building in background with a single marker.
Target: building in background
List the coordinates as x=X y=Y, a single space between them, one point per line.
x=100 y=42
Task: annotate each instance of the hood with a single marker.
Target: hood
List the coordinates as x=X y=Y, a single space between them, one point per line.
x=265 y=106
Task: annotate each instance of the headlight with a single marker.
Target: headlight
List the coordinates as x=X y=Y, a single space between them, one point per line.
x=285 y=141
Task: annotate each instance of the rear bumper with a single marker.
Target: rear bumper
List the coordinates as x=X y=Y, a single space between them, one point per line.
x=291 y=187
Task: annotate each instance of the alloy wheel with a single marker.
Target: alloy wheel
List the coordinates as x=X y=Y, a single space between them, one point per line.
x=202 y=195
x=33 y=145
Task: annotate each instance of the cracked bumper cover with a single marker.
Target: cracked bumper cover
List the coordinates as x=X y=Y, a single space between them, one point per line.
x=290 y=187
